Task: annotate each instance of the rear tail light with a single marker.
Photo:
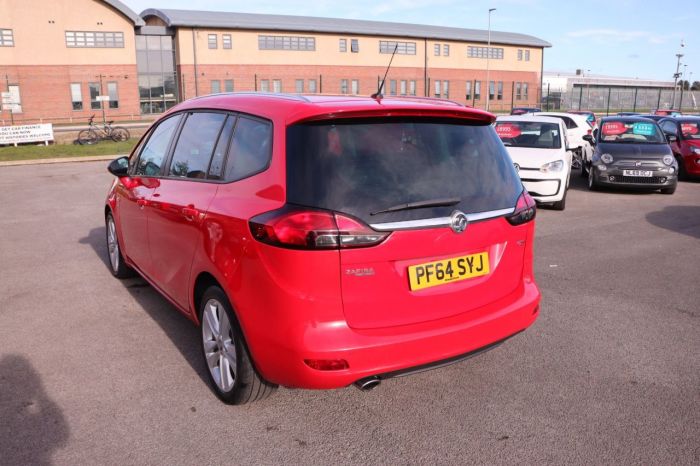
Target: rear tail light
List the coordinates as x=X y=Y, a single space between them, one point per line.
x=525 y=210
x=301 y=228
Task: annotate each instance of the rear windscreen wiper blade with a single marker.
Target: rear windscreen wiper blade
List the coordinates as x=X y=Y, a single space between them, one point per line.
x=444 y=202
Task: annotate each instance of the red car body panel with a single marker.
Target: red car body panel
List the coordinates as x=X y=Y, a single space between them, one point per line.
x=294 y=305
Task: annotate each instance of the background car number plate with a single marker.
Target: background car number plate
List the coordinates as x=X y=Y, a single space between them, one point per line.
x=646 y=173
x=449 y=270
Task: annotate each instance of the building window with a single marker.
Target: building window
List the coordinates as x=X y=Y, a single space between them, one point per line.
x=94 y=39
x=436 y=50
x=492 y=89
x=402 y=88
x=392 y=87
x=157 y=83
x=312 y=86
x=446 y=89
x=6 y=38
x=228 y=85
x=518 y=94
x=299 y=86
x=527 y=55
x=468 y=92
x=76 y=96
x=524 y=91
x=213 y=41
x=437 y=88
x=276 y=85
x=113 y=94
x=412 y=87
x=286 y=43
x=446 y=50
x=94 y=92
x=355 y=86
x=226 y=41
x=265 y=85
x=499 y=96
x=520 y=54
x=477 y=90
x=481 y=52
x=343 y=45
x=215 y=86
x=343 y=86
x=402 y=48
x=354 y=45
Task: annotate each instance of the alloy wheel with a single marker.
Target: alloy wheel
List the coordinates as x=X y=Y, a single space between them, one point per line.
x=112 y=244
x=219 y=345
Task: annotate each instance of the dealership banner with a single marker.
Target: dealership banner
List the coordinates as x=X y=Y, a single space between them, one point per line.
x=26 y=133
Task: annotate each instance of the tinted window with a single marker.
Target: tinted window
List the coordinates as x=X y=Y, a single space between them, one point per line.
x=529 y=134
x=195 y=145
x=156 y=148
x=364 y=166
x=216 y=167
x=669 y=127
x=251 y=148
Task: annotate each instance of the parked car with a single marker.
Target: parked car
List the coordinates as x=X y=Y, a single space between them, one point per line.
x=319 y=242
x=667 y=112
x=656 y=118
x=590 y=116
x=684 y=137
x=538 y=147
x=628 y=113
x=632 y=152
x=524 y=110
x=577 y=126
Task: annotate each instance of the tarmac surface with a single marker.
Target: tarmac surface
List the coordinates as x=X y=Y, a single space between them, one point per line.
x=98 y=371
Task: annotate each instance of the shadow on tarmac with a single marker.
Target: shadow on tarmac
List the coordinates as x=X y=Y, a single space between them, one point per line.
x=32 y=426
x=181 y=331
x=677 y=218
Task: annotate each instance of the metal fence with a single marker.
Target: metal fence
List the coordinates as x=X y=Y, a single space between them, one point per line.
x=613 y=99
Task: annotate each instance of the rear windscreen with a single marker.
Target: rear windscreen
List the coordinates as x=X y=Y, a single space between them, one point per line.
x=529 y=134
x=361 y=167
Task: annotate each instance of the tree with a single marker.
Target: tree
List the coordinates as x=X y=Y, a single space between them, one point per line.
x=695 y=86
x=685 y=85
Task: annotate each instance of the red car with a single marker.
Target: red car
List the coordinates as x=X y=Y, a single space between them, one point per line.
x=667 y=112
x=684 y=137
x=325 y=241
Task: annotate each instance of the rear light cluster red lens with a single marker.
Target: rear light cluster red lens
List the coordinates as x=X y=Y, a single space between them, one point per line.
x=525 y=210
x=301 y=228
x=327 y=364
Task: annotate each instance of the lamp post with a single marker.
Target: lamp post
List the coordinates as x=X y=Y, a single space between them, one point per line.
x=488 y=57
x=676 y=76
x=680 y=104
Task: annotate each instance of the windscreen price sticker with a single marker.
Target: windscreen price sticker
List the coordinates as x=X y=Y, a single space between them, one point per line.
x=507 y=131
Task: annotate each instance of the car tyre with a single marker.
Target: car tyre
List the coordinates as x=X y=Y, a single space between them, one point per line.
x=682 y=174
x=584 y=171
x=117 y=265
x=592 y=183
x=232 y=375
x=669 y=190
x=560 y=205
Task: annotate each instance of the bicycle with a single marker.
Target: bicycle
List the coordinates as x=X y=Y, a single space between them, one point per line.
x=95 y=134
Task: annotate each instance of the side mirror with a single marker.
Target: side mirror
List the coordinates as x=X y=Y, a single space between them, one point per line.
x=671 y=138
x=119 y=167
x=589 y=138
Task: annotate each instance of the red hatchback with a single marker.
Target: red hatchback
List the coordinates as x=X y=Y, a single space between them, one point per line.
x=684 y=137
x=323 y=241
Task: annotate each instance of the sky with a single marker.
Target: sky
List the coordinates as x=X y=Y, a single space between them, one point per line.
x=627 y=38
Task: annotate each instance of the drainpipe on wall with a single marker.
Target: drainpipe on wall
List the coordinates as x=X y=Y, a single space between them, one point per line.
x=194 y=52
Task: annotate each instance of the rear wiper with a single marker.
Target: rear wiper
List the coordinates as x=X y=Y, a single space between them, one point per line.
x=420 y=204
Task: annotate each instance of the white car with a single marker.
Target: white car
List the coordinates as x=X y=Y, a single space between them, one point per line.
x=577 y=126
x=539 y=149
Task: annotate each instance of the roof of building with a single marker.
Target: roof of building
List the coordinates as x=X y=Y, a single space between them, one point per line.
x=230 y=20
x=126 y=11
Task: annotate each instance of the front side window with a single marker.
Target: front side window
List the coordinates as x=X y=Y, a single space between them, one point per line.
x=156 y=148
x=690 y=129
x=251 y=148
x=76 y=96
x=194 y=147
x=113 y=94
x=94 y=92
x=529 y=134
x=362 y=166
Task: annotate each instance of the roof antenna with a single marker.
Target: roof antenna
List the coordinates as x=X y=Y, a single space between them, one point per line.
x=378 y=94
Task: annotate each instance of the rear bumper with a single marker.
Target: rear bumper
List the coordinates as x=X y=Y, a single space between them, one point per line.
x=391 y=351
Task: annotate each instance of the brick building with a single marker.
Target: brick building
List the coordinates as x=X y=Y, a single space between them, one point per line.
x=62 y=54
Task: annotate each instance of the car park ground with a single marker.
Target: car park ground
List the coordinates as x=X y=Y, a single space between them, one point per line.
x=94 y=370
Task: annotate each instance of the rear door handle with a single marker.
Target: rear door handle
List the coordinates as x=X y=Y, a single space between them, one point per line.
x=190 y=212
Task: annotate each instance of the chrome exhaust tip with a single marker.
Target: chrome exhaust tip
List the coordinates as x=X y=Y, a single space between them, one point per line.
x=367 y=384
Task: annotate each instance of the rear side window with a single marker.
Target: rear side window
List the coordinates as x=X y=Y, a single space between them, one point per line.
x=362 y=167
x=251 y=148
x=216 y=167
x=195 y=145
x=156 y=148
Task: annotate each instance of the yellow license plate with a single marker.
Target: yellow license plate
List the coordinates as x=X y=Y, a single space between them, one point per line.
x=447 y=271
